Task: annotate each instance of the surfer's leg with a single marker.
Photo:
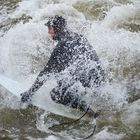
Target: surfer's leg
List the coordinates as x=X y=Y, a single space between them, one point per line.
x=71 y=99
x=68 y=99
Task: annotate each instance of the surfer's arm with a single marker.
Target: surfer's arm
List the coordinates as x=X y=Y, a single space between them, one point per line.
x=42 y=77
x=50 y=67
x=40 y=80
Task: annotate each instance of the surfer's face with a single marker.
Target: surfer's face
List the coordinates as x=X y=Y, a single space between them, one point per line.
x=51 y=31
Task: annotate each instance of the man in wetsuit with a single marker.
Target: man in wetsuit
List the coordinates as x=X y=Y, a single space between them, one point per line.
x=74 y=54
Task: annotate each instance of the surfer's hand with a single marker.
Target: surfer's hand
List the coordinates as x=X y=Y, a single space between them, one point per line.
x=25 y=97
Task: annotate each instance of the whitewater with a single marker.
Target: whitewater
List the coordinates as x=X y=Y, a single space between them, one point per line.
x=113 y=29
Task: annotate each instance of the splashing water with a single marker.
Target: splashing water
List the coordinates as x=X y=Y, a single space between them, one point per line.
x=113 y=29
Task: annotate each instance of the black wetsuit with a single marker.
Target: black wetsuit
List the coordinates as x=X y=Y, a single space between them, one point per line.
x=72 y=52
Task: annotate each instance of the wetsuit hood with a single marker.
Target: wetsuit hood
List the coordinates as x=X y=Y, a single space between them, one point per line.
x=59 y=25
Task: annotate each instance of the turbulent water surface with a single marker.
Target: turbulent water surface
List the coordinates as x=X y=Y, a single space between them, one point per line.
x=113 y=29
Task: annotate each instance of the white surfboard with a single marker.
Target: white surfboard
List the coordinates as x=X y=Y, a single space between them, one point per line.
x=41 y=98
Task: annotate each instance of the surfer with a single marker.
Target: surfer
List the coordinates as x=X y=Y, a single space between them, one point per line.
x=74 y=54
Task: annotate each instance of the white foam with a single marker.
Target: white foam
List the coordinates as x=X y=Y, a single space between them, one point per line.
x=39 y=10
x=121 y=14
x=105 y=135
x=48 y=138
x=133 y=111
x=20 y=45
x=52 y=138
